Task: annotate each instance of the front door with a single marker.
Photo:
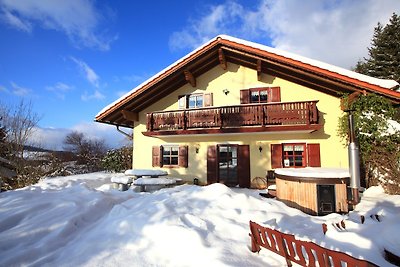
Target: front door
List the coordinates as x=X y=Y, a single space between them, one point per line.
x=229 y=164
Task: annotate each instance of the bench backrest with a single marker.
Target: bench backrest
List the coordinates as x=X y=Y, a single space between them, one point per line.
x=301 y=252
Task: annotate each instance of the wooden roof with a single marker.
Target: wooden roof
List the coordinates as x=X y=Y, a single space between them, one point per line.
x=225 y=49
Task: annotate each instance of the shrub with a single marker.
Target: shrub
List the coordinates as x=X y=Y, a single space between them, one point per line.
x=117 y=160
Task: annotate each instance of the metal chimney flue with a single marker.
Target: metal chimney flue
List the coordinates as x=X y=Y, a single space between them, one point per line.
x=354 y=162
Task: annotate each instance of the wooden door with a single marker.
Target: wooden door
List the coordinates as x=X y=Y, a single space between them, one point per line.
x=229 y=164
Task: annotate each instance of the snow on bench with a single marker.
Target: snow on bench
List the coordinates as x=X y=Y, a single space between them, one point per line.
x=144 y=172
x=155 y=182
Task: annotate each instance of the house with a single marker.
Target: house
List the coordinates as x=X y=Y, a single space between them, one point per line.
x=231 y=110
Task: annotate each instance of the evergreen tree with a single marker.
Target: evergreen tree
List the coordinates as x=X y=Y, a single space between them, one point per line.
x=379 y=141
x=384 y=53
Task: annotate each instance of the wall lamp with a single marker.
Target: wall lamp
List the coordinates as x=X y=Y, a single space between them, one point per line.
x=197 y=147
x=225 y=91
x=260 y=148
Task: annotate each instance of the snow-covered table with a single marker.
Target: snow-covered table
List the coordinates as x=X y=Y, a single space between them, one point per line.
x=145 y=172
x=161 y=181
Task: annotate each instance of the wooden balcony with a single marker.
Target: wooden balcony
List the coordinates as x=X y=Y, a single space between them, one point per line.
x=287 y=116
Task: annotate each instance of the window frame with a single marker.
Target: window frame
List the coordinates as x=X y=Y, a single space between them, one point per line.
x=184 y=101
x=292 y=158
x=170 y=155
x=182 y=155
x=259 y=90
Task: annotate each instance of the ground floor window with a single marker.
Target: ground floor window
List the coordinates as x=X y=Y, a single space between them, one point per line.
x=295 y=155
x=170 y=156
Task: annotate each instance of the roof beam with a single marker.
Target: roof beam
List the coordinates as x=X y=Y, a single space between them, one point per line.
x=129 y=115
x=222 y=59
x=190 y=78
x=259 y=69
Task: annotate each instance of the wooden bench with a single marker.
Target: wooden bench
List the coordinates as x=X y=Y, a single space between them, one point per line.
x=298 y=251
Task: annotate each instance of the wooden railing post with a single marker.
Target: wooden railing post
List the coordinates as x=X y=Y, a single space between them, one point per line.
x=185 y=120
x=221 y=121
x=150 y=121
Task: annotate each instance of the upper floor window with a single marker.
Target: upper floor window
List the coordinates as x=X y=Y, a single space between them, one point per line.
x=195 y=100
x=260 y=95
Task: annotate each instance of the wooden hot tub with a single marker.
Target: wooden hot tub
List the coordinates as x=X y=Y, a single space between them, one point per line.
x=316 y=191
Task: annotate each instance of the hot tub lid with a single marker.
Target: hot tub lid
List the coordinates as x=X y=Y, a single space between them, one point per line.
x=314 y=172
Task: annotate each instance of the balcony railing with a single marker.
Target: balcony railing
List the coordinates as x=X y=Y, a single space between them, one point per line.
x=251 y=115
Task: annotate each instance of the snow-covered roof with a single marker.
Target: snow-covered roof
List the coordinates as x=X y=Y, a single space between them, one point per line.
x=385 y=84
x=388 y=84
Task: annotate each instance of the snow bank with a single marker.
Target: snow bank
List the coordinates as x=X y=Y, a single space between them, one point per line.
x=80 y=221
x=121 y=179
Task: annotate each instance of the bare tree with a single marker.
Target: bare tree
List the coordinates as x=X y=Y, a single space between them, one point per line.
x=74 y=142
x=18 y=122
x=88 y=150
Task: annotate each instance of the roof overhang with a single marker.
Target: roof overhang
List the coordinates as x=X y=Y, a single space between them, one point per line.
x=224 y=49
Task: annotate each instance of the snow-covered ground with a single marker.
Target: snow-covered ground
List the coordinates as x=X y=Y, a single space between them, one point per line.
x=81 y=221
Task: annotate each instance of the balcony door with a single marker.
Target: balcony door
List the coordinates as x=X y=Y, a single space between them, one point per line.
x=229 y=164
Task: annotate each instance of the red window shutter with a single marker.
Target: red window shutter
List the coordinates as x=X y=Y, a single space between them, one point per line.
x=314 y=157
x=276 y=156
x=212 y=165
x=183 y=156
x=274 y=94
x=208 y=99
x=157 y=152
x=243 y=168
x=245 y=96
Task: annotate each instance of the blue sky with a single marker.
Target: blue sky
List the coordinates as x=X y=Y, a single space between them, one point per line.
x=72 y=58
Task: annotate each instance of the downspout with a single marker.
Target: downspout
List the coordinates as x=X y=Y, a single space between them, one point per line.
x=354 y=163
x=130 y=136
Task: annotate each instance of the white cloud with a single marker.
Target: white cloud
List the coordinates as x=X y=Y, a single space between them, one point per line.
x=53 y=138
x=88 y=72
x=78 y=19
x=60 y=89
x=48 y=138
x=3 y=89
x=20 y=91
x=97 y=95
x=15 y=22
x=337 y=32
x=224 y=18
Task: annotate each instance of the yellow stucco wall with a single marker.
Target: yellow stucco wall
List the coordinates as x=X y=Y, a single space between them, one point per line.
x=235 y=78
